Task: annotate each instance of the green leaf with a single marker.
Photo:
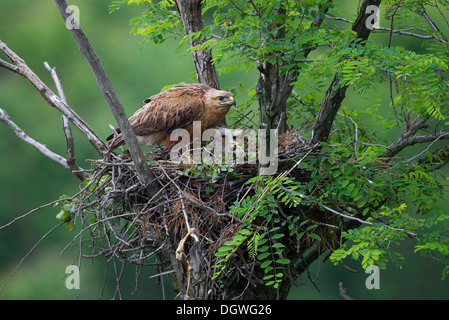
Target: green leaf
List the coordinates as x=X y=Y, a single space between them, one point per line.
x=350 y=187
x=266 y=264
x=262 y=256
x=268 y=277
x=64 y=216
x=225 y=248
x=315 y=236
x=244 y=231
x=221 y=253
x=283 y=261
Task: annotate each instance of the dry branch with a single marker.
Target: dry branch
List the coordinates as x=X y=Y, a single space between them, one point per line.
x=4 y=117
x=28 y=253
x=146 y=177
x=406 y=138
x=66 y=127
x=20 y=67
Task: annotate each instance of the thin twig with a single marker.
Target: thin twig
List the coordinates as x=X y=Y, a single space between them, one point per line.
x=4 y=117
x=201 y=205
x=22 y=69
x=343 y=291
x=28 y=253
x=66 y=126
x=440 y=136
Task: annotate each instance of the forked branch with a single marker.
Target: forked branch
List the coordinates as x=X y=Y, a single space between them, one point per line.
x=19 y=66
x=66 y=126
x=145 y=175
x=4 y=117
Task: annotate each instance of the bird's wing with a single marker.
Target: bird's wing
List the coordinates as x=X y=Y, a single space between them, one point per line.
x=167 y=111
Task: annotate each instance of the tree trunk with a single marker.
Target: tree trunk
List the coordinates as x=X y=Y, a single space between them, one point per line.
x=190 y=11
x=336 y=92
x=272 y=93
x=273 y=89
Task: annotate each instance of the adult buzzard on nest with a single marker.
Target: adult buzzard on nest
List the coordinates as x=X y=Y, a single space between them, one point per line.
x=176 y=108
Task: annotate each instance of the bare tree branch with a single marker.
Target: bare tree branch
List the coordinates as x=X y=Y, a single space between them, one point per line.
x=145 y=175
x=21 y=68
x=404 y=32
x=4 y=117
x=406 y=138
x=439 y=158
x=28 y=253
x=433 y=138
x=66 y=126
x=343 y=291
x=433 y=26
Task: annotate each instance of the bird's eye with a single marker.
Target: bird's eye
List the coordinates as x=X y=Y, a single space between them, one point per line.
x=220 y=98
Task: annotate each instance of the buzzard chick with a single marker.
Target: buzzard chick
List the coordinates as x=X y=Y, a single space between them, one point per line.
x=176 y=108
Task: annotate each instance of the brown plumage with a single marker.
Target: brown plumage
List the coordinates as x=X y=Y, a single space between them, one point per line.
x=176 y=108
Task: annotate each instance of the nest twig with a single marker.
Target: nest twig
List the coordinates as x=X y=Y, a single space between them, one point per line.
x=189 y=211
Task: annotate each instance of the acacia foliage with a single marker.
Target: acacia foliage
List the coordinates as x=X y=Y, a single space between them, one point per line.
x=403 y=86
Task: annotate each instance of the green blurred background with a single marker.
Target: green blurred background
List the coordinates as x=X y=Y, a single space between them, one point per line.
x=36 y=32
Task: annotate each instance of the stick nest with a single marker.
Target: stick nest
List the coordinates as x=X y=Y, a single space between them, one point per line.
x=190 y=209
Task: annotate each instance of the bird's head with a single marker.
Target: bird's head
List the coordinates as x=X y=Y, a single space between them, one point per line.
x=220 y=99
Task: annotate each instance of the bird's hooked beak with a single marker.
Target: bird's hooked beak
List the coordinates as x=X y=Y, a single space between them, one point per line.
x=231 y=101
